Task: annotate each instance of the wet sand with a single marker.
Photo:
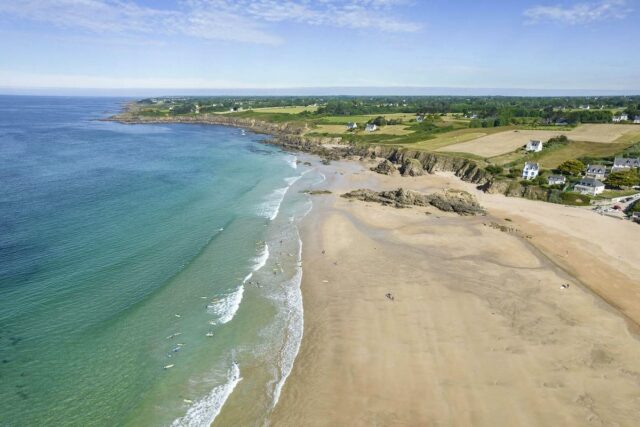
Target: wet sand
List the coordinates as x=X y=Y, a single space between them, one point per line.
x=480 y=330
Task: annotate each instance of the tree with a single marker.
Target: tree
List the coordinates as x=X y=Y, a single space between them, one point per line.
x=626 y=178
x=571 y=167
x=379 y=121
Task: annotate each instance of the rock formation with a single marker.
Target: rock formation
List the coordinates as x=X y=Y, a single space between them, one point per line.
x=385 y=167
x=411 y=167
x=459 y=202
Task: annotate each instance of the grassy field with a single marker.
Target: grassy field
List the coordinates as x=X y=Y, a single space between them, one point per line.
x=365 y=118
x=293 y=109
x=603 y=132
x=577 y=149
x=451 y=134
x=506 y=142
x=342 y=129
x=448 y=138
x=610 y=194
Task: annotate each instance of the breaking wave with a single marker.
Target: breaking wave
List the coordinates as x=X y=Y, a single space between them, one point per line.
x=294 y=314
x=204 y=411
x=271 y=207
x=225 y=308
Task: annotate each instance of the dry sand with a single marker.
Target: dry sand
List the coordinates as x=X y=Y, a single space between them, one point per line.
x=480 y=331
x=508 y=141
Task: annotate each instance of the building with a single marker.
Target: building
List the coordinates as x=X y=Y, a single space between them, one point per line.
x=534 y=145
x=530 y=170
x=620 y=118
x=596 y=171
x=370 y=127
x=590 y=186
x=636 y=120
x=352 y=126
x=562 y=122
x=557 y=180
x=622 y=163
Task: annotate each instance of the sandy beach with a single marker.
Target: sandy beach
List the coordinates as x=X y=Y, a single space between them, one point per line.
x=480 y=330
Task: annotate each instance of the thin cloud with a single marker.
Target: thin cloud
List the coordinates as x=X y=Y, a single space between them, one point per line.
x=358 y=14
x=580 y=13
x=226 y=20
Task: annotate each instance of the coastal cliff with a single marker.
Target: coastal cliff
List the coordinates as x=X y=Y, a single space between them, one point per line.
x=291 y=136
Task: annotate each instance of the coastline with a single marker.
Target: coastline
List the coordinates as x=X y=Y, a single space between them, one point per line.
x=480 y=330
x=358 y=360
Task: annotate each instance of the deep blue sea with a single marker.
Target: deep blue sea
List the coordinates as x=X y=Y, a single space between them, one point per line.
x=149 y=274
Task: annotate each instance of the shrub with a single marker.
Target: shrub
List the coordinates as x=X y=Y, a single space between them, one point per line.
x=571 y=167
x=494 y=169
x=626 y=178
x=635 y=207
x=575 y=199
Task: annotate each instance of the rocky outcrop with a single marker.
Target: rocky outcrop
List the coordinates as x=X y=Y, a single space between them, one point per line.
x=399 y=198
x=254 y=125
x=385 y=167
x=291 y=136
x=411 y=167
x=511 y=188
x=459 y=202
x=456 y=201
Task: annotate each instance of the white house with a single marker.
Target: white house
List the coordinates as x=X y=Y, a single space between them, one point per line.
x=590 y=186
x=620 y=118
x=530 y=170
x=557 y=180
x=622 y=163
x=352 y=126
x=534 y=145
x=596 y=171
x=370 y=127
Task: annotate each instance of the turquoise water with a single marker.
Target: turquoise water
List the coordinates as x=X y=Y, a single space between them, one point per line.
x=149 y=274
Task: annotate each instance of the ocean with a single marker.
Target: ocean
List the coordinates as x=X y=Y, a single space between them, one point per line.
x=149 y=274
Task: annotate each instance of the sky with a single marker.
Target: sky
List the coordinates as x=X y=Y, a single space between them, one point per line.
x=261 y=45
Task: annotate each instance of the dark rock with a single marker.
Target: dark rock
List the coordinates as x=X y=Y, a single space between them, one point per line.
x=385 y=167
x=459 y=202
x=411 y=167
x=456 y=201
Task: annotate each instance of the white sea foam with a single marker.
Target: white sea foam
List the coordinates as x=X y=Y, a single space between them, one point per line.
x=258 y=262
x=271 y=207
x=293 y=161
x=204 y=411
x=225 y=308
x=295 y=326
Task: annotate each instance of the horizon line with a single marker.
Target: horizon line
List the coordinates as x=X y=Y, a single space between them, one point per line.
x=312 y=91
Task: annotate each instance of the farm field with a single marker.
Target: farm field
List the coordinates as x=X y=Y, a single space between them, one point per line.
x=448 y=138
x=342 y=129
x=602 y=132
x=506 y=142
x=394 y=130
x=365 y=118
x=293 y=109
x=577 y=149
